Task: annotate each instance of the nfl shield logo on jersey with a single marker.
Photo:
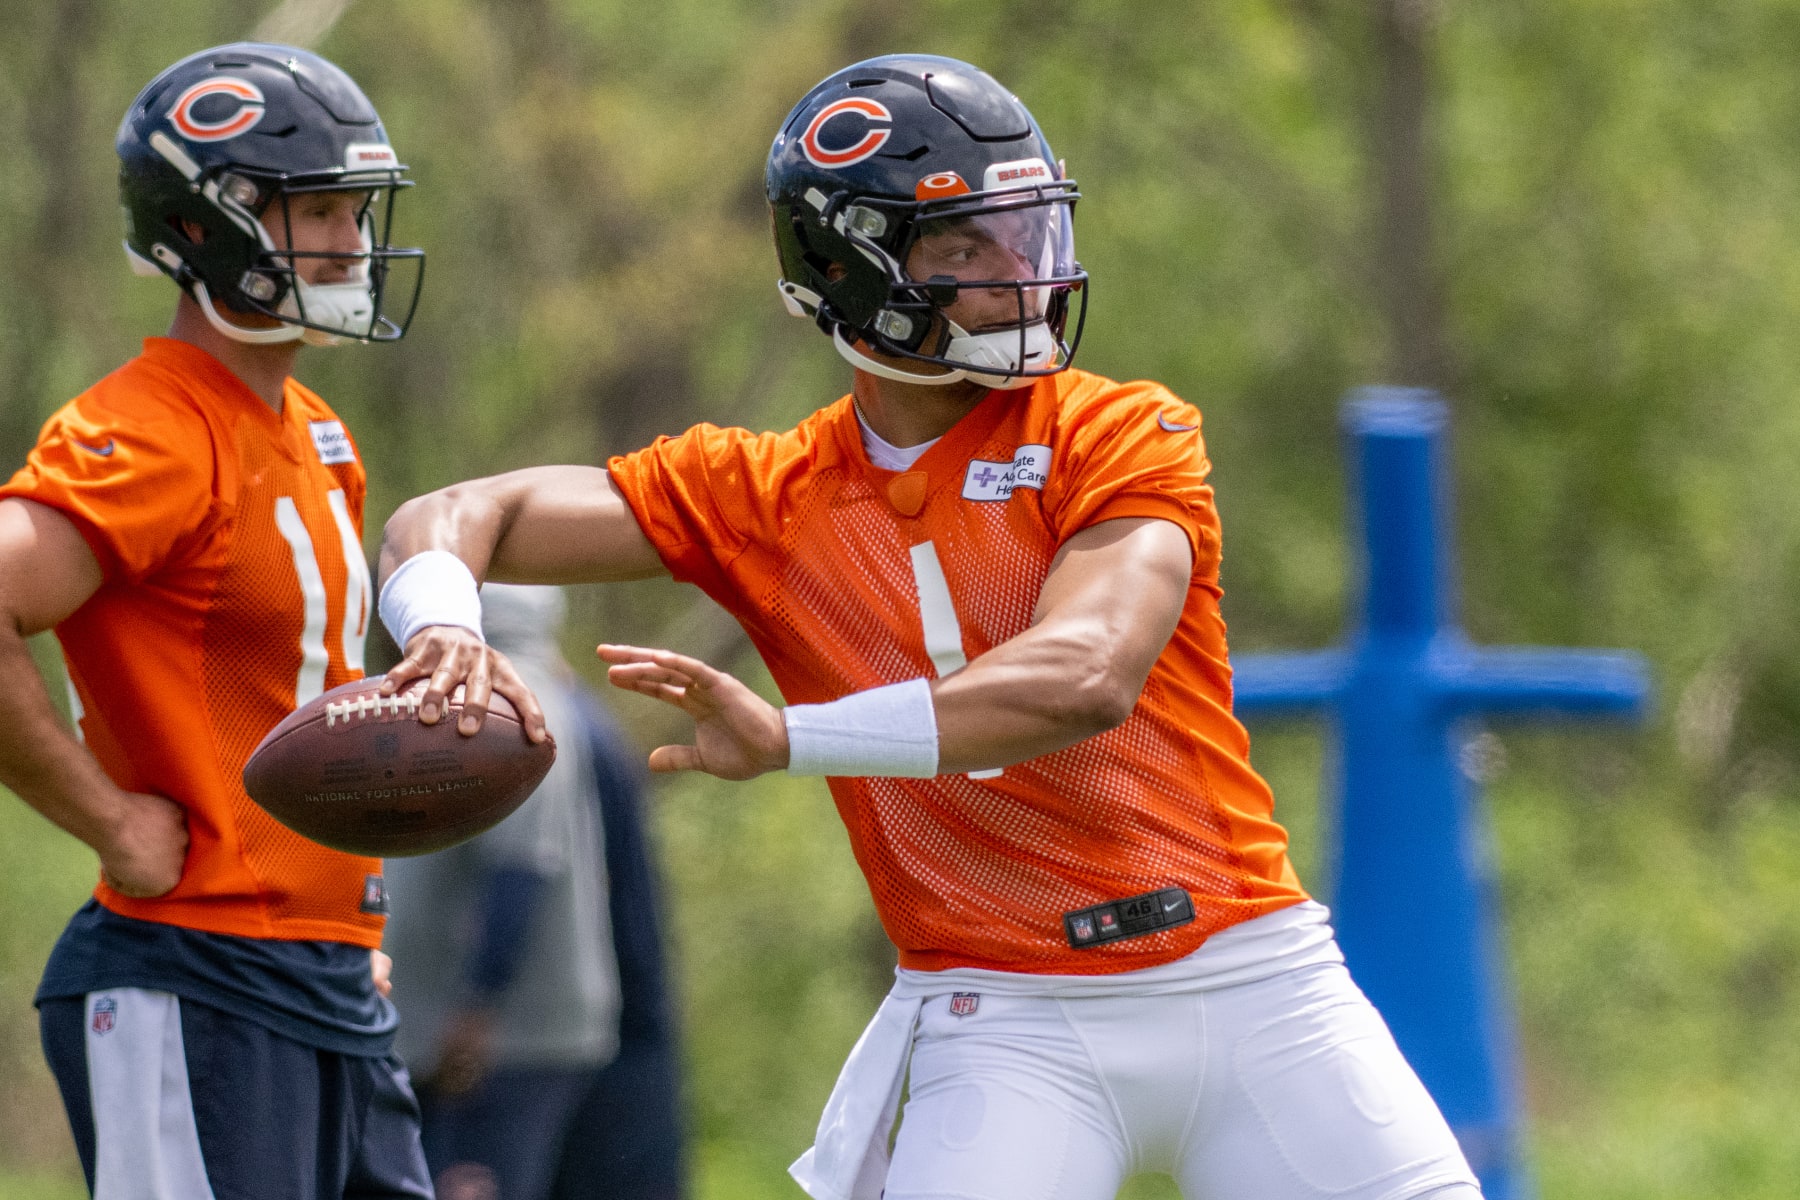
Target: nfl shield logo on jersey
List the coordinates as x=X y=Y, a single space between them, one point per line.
x=963 y=1004
x=106 y=1012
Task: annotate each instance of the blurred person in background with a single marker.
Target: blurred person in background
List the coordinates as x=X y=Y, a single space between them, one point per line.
x=987 y=585
x=626 y=1139
x=509 y=987
x=191 y=526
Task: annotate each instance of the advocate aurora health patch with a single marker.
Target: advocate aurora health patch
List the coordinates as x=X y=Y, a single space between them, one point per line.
x=986 y=480
x=332 y=443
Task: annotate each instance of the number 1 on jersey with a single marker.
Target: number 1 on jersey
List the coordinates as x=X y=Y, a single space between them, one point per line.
x=937 y=613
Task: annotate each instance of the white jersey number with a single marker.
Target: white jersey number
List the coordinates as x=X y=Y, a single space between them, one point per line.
x=313 y=656
x=937 y=613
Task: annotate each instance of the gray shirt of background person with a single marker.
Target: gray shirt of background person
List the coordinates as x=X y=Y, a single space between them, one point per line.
x=562 y=1008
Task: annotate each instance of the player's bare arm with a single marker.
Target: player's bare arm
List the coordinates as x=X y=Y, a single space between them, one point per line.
x=1108 y=607
x=47 y=571
x=563 y=524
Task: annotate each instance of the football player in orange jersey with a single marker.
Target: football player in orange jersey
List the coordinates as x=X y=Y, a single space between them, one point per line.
x=216 y=1016
x=987 y=585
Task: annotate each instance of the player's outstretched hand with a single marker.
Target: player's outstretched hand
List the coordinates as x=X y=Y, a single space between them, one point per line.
x=451 y=655
x=146 y=847
x=737 y=734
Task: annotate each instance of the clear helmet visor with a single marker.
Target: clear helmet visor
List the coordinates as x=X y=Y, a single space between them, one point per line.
x=983 y=284
x=1025 y=244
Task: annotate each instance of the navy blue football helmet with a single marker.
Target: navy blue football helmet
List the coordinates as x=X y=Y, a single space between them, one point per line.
x=226 y=137
x=903 y=184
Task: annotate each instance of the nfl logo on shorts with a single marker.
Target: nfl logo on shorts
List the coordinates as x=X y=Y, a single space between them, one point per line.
x=963 y=1003
x=106 y=1011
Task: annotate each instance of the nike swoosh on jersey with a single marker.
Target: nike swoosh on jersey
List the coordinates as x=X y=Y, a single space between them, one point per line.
x=104 y=451
x=1170 y=427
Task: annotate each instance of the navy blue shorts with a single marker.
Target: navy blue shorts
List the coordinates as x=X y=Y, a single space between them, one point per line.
x=169 y=1099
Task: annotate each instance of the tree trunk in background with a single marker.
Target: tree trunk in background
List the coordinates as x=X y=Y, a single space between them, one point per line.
x=56 y=128
x=1409 y=287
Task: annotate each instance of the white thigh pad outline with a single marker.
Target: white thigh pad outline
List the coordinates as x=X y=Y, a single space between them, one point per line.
x=1318 y=1100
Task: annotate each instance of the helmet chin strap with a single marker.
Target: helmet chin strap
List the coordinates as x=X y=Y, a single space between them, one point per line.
x=862 y=362
x=342 y=306
x=994 y=350
x=340 y=303
x=337 y=307
x=238 y=333
x=998 y=349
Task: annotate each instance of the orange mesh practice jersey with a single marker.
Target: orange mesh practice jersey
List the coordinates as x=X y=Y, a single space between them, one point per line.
x=849 y=577
x=235 y=588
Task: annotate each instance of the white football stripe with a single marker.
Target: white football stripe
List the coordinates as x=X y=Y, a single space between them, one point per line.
x=313 y=659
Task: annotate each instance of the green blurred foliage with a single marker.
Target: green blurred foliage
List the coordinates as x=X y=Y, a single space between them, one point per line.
x=1615 y=188
x=44 y=876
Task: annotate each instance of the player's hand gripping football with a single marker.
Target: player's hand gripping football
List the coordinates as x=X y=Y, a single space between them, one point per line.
x=737 y=734
x=451 y=655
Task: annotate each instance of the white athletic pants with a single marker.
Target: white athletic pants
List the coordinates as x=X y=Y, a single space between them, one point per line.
x=1288 y=1088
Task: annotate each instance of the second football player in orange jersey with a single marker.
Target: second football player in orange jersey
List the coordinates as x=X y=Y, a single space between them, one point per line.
x=191 y=527
x=987 y=587
x=228 y=537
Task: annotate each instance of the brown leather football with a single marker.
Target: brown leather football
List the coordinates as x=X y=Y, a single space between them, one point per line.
x=358 y=771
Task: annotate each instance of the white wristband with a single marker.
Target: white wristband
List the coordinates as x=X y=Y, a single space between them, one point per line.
x=430 y=588
x=888 y=730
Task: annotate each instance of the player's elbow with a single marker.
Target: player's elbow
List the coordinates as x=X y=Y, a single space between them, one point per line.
x=1079 y=681
x=437 y=520
x=433 y=507
x=407 y=521
x=1099 y=697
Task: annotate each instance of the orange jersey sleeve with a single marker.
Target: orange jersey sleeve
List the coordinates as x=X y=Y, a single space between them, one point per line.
x=134 y=473
x=1134 y=450
x=234 y=588
x=847 y=577
x=710 y=507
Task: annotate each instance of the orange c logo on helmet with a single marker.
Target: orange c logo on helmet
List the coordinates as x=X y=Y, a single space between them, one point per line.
x=880 y=129
x=240 y=119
